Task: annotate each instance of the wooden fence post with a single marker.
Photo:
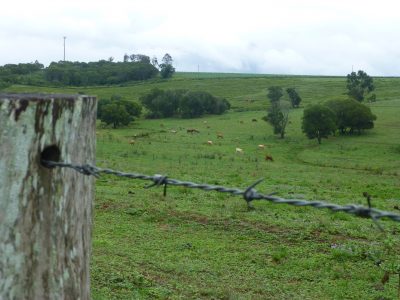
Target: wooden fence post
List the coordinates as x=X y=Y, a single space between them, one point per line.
x=45 y=214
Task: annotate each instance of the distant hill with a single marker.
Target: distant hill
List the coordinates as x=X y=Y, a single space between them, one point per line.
x=243 y=91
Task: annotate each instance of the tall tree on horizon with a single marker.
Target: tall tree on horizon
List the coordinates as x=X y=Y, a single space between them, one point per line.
x=167 y=70
x=359 y=85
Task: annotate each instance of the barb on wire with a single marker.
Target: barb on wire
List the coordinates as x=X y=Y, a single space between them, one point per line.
x=249 y=194
x=368 y=197
x=159 y=180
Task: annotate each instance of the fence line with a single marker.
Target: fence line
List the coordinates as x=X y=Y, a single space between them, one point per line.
x=248 y=194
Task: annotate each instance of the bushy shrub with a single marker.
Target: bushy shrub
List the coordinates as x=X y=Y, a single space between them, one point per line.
x=182 y=103
x=117 y=112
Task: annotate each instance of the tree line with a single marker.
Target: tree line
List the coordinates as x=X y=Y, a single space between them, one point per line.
x=98 y=73
x=18 y=73
x=134 y=67
x=345 y=116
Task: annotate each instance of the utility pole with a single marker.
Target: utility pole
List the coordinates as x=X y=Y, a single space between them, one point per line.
x=64 y=47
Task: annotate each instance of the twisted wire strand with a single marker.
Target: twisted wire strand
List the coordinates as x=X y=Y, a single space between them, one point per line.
x=249 y=194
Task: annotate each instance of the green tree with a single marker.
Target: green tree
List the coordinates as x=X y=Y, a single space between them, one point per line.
x=191 y=107
x=275 y=93
x=167 y=59
x=359 y=85
x=361 y=118
x=115 y=114
x=278 y=116
x=167 y=70
x=351 y=115
x=134 y=109
x=294 y=97
x=195 y=104
x=278 y=112
x=318 y=122
x=182 y=103
x=162 y=104
x=101 y=72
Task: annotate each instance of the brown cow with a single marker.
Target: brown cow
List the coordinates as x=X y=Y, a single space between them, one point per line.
x=269 y=157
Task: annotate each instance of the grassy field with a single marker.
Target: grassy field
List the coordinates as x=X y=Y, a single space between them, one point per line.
x=194 y=244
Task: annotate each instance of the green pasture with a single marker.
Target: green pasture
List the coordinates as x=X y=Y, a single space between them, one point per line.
x=194 y=244
x=245 y=92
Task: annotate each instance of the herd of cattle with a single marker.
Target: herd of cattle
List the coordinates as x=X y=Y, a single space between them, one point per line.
x=219 y=135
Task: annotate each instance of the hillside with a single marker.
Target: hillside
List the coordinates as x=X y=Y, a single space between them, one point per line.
x=194 y=244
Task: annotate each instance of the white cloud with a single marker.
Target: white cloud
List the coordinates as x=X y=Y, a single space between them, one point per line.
x=264 y=36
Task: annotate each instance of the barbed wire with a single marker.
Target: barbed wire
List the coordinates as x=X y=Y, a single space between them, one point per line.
x=249 y=194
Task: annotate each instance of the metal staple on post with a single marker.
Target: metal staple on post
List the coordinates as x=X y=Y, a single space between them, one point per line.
x=249 y=194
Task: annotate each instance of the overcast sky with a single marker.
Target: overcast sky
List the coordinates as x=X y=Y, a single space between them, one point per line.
x=253 y=36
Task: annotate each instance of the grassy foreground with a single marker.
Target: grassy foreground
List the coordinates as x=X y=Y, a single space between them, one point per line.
x=194 y=244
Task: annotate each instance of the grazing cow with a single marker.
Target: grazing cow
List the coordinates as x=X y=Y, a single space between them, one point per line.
x=220 y=135
x=173 y=131
x=132 y=142
x=261 y=147
x=192 y=130
x=269 y=157
x=239 y=150
x=254 y=120
x=209 y=142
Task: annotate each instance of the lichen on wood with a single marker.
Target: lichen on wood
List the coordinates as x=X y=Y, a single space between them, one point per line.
x=45 y=214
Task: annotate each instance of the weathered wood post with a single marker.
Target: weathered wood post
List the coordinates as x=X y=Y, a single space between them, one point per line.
x=45 y=214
